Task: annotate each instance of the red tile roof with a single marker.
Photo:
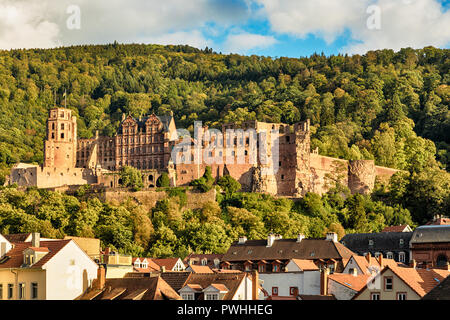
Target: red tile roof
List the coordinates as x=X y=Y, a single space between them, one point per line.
x=400 y=228
x=355 y=283
x=305 y=265
x=168 y=263
x=201 y=269
x=15 y=255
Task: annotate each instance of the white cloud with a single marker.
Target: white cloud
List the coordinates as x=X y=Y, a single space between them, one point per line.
x=244 y=42
x=26 y=27
x=404 y=23
x=104 y=21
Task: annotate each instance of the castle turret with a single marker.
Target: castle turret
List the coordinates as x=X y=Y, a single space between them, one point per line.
x=361 y=176
x=60 y=144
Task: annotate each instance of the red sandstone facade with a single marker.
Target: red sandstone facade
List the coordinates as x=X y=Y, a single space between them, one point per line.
x=148 y=143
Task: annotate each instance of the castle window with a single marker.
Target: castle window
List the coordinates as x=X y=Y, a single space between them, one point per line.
x=53 y=135
x=53 y=126
x=288 y=138
x=62 y=135
x=62 y=126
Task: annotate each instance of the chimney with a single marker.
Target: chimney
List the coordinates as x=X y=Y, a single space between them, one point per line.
x=270 y=239
x=324 y=282
x=332 y=236
x=413 y=263
x=162 y=269
x=255 y=284
x=242 y=240
x=380 y=260
x=35 y=239
x=300 y=237
x=368 y=258
x=101 y=278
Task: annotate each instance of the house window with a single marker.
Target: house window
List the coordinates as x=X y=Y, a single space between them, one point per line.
x=370 y=242
x=275 y=268
x=187 y=296
x=401 y=257
x=293 y=291
x=212 y=296
x=377 y=254
x=375 y=296
x=401 y=295
x=21 y=291
x=388 y=284
x=275 y=291
x=402 y=242
x=204 y=262
x=390 y=255
x=34 y=290
x=10 y=290
x=261 y=268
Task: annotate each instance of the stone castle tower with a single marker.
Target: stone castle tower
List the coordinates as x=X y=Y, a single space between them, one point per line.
x=60 y=146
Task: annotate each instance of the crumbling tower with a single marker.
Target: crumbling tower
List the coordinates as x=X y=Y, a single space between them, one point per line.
x=60 y=144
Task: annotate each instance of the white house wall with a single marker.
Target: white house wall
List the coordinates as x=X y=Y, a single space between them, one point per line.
x=69 y=273
x=307 y=282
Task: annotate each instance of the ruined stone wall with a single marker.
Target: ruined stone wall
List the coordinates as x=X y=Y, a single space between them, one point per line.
x=384 y=174
x=303 y=152
x=325 y=171
x=44 y=177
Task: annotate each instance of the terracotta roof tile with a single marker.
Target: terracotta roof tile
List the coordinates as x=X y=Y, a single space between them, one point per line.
x=305 y=265
x=355 y=283
x=201 y=269
x=400 y=228
x=229 y=280
x=15 y=255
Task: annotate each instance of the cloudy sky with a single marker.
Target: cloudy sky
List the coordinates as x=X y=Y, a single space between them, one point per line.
x=265 y=27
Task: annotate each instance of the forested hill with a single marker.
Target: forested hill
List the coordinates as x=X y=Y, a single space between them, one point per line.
x=387 y=106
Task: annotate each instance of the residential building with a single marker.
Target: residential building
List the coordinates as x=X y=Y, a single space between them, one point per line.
x=210 y=260
x=170 y=264
x=392 y=245
x=273 y=254
x=344 y=286
x=116 y=265
x=298 y=277
x=430 y=246
x=129 y=288
x=44 y=270
x=367 y=265
x=90 y=245
x=221 y=286
x=401 y=283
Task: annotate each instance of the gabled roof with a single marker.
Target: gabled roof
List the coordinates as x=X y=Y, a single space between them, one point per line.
x=18 y=237
x=231 y=281
x=153 y=288
x=200 y=269
x=401 y=228
x=355 y=283
x=364 y=264
x=15 y=255
x=199 y=257
x=151 y=265
x=219 y=287
x=421 y=281
x=286 y=249
x=168 y=263
x=176 y=279
x=305 y=265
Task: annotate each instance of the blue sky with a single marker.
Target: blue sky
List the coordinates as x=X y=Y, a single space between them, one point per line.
x=275 y=28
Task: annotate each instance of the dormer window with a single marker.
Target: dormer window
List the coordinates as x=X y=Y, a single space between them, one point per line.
x=212 y=296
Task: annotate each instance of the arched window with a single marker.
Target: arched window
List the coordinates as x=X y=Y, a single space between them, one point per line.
x=401 y=257
x=441 y=260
